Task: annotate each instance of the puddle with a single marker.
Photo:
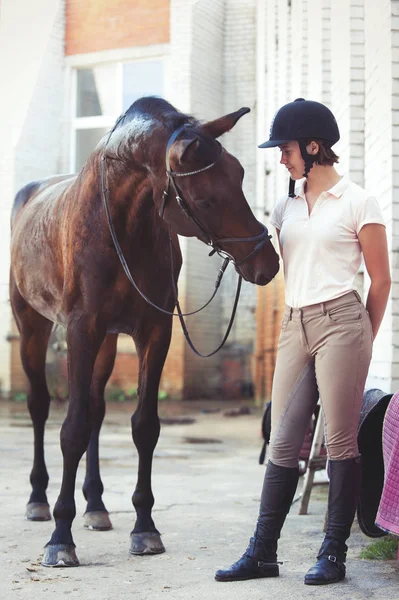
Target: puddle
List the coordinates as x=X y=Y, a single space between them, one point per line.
x=177 y=421
x=20 y=424
x=201 y=440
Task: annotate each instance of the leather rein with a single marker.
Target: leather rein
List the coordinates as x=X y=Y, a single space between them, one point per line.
x=208 y=239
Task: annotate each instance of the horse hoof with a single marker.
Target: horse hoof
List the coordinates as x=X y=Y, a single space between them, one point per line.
x=38 y=511
x=146 y=543
x=97 y=520
x=60 y=555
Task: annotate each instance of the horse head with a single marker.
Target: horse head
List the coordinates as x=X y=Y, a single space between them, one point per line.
x=204 y=198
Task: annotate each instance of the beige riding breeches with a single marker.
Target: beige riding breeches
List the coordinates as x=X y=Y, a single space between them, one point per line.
x=324 y=351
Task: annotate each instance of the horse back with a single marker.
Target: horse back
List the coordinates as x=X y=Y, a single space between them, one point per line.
x=30 y=190
x=22 y=197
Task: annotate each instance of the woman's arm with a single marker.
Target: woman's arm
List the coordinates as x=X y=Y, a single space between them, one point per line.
x=373 y=240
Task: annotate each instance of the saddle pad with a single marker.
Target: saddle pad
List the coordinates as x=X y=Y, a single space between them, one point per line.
x=388 y=511
x=369 y=438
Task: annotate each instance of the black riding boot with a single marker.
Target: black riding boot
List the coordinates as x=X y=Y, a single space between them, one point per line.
x=260 y=558
x=343 y=498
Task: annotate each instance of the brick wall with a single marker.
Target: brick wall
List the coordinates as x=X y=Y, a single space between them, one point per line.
x=299 y=62
x=240 y=70
x=344 y=53
x=378 y=174
x=394 y=305
x=38 y=149
x=269 y=314
x=326 y=52
x=202 y=377
x=31 y=105
x=94 y=25
x=178 y=80
x=212 y=71
x=357 y=78
x=357 y=91
x=196 y=86
x=347 y=92
x=340 y=77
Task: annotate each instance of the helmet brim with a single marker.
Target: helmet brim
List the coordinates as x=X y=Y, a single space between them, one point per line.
x=273 y=143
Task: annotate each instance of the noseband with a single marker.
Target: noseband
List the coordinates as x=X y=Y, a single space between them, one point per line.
x=206 y=237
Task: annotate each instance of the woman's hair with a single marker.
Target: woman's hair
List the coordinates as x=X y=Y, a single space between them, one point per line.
x=325 y=155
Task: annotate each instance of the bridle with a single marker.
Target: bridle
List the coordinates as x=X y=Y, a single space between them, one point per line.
x=207 y=237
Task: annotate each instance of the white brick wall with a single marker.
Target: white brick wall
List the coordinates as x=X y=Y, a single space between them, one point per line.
x=340 y=77
x=38 y=152
x=202 y=376
x=225 y=54
x=315 y=49
x=240 y=73
x=195 y=85
x=326 y=52
x=177 y=75
x=378 y=171
x=344 y=53
x=30 y=118
x=394 y=305
x=357 y=91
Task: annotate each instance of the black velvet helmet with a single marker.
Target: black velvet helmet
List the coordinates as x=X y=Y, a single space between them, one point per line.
x=303 y=120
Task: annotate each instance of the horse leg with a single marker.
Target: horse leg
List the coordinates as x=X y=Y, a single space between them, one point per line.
x=152 y=342
x=96 y=516
x=34 y=333
x=84 y=338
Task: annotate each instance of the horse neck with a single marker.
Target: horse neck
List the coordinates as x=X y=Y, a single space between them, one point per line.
x=135 y=175
x=130 y=195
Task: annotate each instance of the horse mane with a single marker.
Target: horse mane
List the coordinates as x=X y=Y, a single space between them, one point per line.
x=158 y=109
x=143 y=115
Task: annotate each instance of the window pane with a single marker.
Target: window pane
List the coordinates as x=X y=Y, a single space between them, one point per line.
x=86 y=141
x=96 y=91
x=142 y=79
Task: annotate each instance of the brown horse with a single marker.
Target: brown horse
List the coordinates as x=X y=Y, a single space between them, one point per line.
x=65 y=269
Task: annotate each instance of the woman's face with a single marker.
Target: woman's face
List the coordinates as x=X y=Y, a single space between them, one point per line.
x=292 y=159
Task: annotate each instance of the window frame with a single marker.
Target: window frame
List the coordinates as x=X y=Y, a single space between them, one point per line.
x=118 y=57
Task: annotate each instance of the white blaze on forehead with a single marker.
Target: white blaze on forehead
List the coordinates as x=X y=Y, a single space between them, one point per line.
x=139 y=126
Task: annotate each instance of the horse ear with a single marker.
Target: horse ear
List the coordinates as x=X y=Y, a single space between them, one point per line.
x=183 y=147
x=219 y=126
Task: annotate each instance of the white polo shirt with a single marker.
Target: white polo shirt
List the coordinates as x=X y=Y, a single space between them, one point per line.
x=321 y=252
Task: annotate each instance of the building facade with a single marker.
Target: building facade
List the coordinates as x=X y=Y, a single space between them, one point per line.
x=343 y=53
x=75 y=66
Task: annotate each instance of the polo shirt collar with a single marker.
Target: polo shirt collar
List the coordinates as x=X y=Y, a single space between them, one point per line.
x=337 y=190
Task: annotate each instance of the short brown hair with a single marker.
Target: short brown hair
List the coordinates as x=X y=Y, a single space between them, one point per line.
x=325 y=155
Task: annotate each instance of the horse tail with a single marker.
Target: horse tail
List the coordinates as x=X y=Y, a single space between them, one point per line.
x=22 y=198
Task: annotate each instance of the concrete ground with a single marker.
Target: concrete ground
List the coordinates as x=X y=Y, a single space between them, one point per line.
x=206 y=482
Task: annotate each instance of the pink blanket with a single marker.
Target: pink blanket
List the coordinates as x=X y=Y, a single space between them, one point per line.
x=388 y=510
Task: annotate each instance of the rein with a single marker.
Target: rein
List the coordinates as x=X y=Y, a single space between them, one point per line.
x=214 y=243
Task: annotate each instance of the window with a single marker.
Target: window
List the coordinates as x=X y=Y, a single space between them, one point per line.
x=101 y=93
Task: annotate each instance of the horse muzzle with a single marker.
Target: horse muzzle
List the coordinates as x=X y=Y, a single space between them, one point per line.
x=260 y=271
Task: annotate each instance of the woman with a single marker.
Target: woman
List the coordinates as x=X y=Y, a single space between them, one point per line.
x=325 y=346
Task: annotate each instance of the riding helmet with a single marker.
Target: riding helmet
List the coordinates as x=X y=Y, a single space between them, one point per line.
x=302 y=120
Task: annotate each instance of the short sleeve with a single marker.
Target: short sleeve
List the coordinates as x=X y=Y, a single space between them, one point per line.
x=276 y=218
x=368 y=211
